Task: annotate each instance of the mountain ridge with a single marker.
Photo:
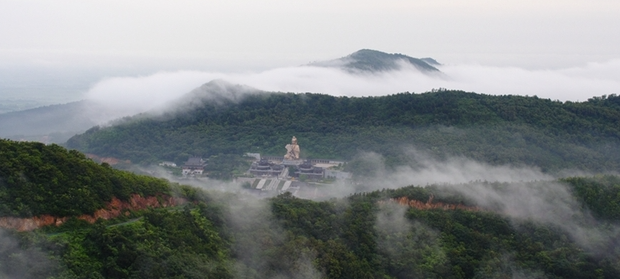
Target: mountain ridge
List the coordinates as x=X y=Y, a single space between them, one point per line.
x=57 y=123
x=368 y=60
x=494 y=129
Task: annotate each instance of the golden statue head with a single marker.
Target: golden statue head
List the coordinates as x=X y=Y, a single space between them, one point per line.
x=294 y=140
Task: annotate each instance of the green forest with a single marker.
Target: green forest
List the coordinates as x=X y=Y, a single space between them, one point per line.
x=516 y=130
x=225 y=236
x=38 y=179
x=236 y=235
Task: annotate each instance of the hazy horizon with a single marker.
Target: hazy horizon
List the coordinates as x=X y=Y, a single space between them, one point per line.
x=29 y=88
x=57 y=52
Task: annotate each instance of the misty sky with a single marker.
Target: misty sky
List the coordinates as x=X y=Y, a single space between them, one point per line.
x=67 y=45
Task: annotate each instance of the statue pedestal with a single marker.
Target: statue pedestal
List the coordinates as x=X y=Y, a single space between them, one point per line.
x=287 y=162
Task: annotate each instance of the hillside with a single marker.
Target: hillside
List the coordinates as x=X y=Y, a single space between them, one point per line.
x=541 y=229
x=38 y=179
x=496 y=129
x=437 y=231
x=368 y=60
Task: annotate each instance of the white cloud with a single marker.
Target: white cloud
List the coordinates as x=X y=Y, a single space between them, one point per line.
x=130 y=95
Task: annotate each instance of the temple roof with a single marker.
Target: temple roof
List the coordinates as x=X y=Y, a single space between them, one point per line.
x=194 y=162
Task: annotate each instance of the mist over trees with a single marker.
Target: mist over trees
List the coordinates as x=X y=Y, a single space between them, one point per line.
x=465 y=230
x=545 y=228
x=513 y=130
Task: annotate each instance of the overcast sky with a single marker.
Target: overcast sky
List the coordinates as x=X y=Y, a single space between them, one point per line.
x=116 y=38
x=250 y=34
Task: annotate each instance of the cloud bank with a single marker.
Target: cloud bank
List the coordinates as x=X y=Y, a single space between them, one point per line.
x=130 y=95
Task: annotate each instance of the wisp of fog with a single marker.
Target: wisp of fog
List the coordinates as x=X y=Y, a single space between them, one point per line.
x=523 y=194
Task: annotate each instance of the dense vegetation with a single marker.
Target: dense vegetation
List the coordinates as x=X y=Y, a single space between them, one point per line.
x=601 y=195
x=37 y=179
x=495 y=129
x=226 y=166
x=218 y=235
x=222 y=235
x=362 y=236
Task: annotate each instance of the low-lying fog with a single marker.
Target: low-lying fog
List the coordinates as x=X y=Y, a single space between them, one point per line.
x=136 y=94
x=530 y=195
x=525 y=195
x=116 y=97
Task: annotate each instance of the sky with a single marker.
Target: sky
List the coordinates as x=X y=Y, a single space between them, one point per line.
x=58 y=50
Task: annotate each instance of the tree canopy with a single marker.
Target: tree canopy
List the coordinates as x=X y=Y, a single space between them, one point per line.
x=496 y=129
x=37 y=179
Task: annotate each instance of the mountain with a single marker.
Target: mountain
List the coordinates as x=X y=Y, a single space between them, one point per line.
x=218 y=92
x=57 y=123
x=512 y=130
x=540 y=229
x=367 y=60
x=431 y=61
x=54 y=123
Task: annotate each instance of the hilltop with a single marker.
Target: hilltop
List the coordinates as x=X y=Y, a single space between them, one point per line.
x=368 y=60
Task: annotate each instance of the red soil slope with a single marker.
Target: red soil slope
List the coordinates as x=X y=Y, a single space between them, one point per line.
x=113 y=209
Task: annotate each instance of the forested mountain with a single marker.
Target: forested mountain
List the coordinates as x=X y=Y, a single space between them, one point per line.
x=57 y=123
x=515 y=130
x=437 y=231
x=368 y=60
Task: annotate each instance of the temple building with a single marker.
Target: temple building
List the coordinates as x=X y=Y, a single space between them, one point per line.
x=265 y=168
x=194 y=166
x=291 y=165
x=309 y=171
